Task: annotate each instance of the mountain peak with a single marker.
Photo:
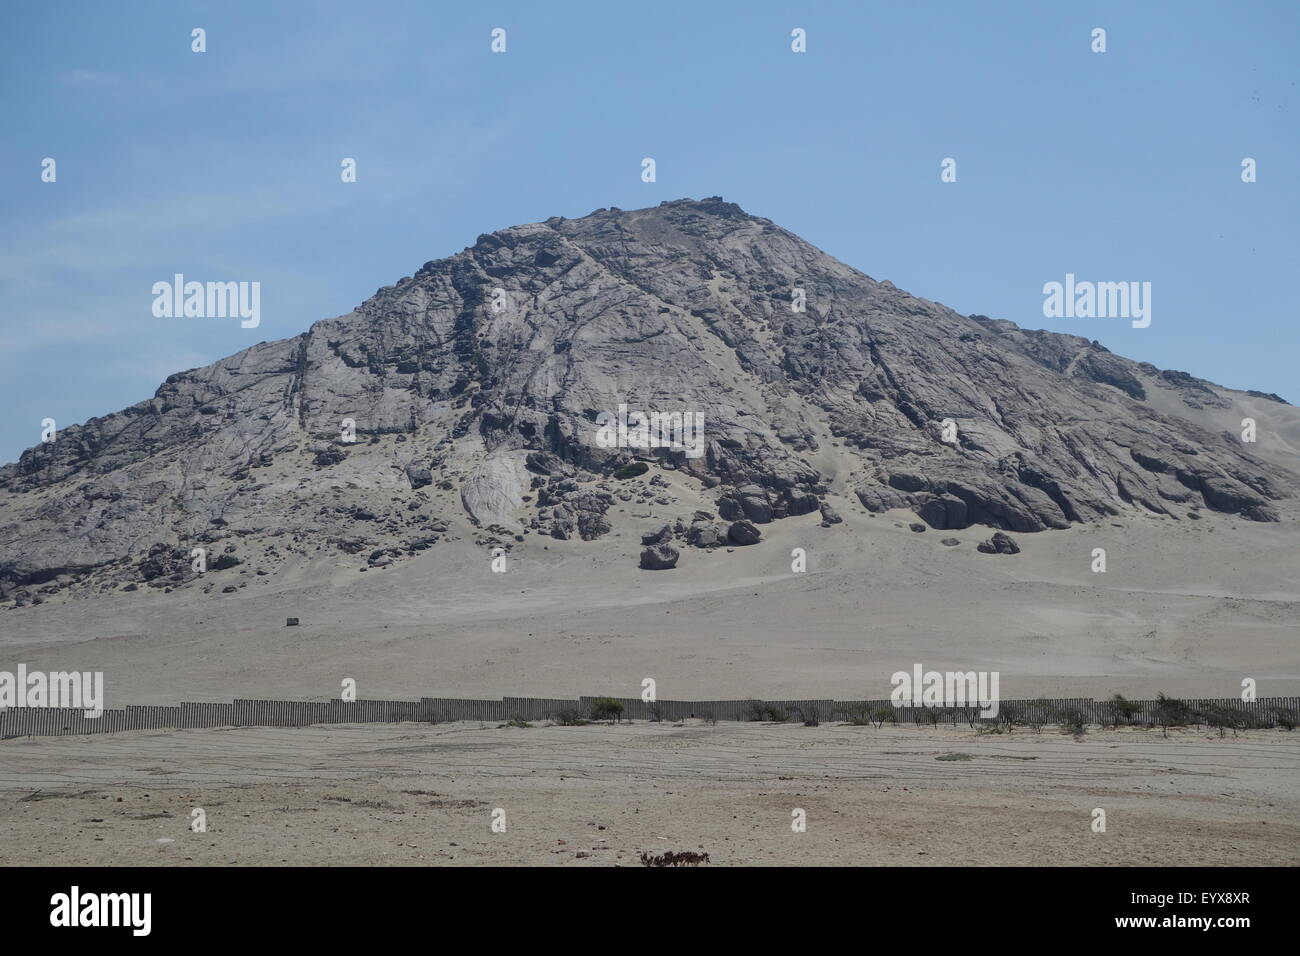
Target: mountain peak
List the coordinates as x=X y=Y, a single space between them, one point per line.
x=708 y=206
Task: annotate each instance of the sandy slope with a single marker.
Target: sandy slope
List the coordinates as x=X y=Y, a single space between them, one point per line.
x=601 y=794
x=1187 y=607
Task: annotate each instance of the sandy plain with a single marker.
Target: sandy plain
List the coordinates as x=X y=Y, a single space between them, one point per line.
x=603 y=794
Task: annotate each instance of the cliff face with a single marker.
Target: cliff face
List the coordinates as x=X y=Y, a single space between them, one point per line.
x=474 y=387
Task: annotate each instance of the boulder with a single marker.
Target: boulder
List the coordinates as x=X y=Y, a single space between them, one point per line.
x=878 y=499
x=704 y=534
x=418 y=474
x=659 y=557
x=495 y=489
x=999 y=544
x=943 y=512
x=801 y=502
x=661 y=536
x=755 y=504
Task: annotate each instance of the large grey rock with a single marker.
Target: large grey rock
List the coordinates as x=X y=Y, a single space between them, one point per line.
x=418 y=474
x=743 y=532
x=801 y=502
x=944 y=511
x=755 y=504
x=998 y=544
x=705 y=534
x=878 y=498
x=495 y=489
x=659 y=557
x=661 y=536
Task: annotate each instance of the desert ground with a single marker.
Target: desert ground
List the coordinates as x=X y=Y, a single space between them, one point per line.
x=1188 y=607
x=603 y=794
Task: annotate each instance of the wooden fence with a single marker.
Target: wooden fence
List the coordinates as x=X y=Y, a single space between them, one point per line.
x=54 y=721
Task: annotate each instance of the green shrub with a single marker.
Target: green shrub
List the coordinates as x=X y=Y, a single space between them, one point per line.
x=1009 y=715
x=570 y=717
x=607 y=708
x=762 y=710
x=632 y=469
x=1234 y=717
x=1212 y=715
x=1171 y=712
x=856 y=715
x=1120 y=711
x=1071 y=721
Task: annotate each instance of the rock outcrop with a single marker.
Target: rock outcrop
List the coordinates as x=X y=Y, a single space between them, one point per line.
x=495 y=490
x=1000 y=543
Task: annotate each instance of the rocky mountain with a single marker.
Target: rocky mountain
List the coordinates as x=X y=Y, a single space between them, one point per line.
x=466 y=400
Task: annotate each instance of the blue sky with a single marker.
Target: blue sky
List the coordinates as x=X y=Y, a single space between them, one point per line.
x=225 y=165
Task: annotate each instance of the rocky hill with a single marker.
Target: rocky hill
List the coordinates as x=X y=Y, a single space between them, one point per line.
x=464 y=401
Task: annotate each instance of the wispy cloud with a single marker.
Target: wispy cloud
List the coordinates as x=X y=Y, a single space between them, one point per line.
x=83 y=77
